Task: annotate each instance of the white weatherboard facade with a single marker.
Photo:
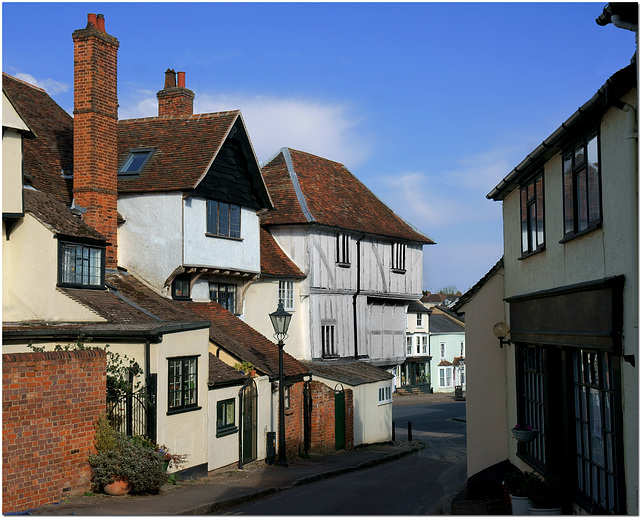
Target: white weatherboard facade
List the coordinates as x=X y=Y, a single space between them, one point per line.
x=163 y=232
x=381 y=297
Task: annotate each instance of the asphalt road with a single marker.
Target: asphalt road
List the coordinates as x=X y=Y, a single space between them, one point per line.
x=418 y=484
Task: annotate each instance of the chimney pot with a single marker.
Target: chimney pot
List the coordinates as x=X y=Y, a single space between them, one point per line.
x=181 y=79
x=100 y=20
x=169 y=78
x=91 y=20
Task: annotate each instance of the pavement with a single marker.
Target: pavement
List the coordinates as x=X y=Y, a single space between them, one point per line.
x=224 y=488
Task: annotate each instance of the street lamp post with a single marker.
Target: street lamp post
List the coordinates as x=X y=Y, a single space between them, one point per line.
x=280 y=320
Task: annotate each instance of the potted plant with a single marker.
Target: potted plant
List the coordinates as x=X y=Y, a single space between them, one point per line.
x=524 y=433
x=546 y=496
x=123 y=464
x=245 y=367
x=517 y=484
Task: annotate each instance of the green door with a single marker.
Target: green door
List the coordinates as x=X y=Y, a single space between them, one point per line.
x=249 y=394
x=340 y=420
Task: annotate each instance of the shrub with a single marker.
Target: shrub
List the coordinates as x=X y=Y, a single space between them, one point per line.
x=519 y=483
x=546 y=493
x=119 y=457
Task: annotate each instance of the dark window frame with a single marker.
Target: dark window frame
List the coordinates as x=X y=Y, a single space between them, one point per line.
x=223 y=220
x=64 y=280
x=214 y=287
x=182 y=406
x=177 y=287
x=223 y=426
x=123 y=169
x=572 y=178
x=532 y=216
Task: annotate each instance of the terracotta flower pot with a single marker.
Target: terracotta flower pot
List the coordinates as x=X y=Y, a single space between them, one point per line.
x=118 y=487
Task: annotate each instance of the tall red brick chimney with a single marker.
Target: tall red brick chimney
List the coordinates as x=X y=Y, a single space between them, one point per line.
x=175 y=99
x=95 y=130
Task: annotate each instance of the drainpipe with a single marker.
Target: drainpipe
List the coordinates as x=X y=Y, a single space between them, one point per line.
x=355 y=298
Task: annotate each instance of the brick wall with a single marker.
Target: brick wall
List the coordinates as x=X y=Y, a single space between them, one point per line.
x=50 y=402
x=294 y=420
x=323 y=418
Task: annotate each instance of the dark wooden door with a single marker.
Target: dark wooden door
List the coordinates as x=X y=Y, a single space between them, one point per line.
x=340 y=420
x=249 y=422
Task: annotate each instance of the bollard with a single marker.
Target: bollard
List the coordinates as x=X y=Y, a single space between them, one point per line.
x=393 y=431
x=409 y=431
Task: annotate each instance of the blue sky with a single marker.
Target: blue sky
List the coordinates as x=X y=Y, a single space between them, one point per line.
x=428 y=104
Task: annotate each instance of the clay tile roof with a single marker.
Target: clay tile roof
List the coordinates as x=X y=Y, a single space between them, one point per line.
x=243 y=341
x=50 y=151
x=184 y=148
x=308 y=189
x=274 y=261
x=127 y=300
x=222 y=373
x=56 y=216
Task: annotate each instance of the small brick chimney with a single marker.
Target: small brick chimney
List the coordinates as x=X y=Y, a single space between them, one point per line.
x=175 y=99
x=95 y=131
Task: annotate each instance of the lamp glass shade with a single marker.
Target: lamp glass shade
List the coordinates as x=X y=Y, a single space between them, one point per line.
x=501 y=329
x=280 y=320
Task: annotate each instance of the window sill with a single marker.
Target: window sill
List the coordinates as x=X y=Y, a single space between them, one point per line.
x=343 y=264
x=330 y=356
x=183 y=410
x=226 y=432
x=181 y=298
x=527 y=255
x=223 y=237
x=581 y=233
x=384 y=402
x=82 y=286
x=399 y=271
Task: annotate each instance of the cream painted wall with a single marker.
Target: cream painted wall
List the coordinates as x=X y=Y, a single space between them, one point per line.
x=150 y=240
x=11 y=171
x=184 y=433
x=487 y=426
x=224 y=450
x=30 y=275
x=606 y=252
x=262 y=299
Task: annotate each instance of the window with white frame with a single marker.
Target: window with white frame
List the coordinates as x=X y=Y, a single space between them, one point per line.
x=328 y=331
x=462 y=349
x=398 y=257
x=285 y=294
x=442 y=350
x=342 y=249
x=409 y=342
x=445 y=376
x=384 y=394
x=419 y=320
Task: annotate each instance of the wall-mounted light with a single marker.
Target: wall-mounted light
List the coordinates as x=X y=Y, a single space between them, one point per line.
x=501 y=330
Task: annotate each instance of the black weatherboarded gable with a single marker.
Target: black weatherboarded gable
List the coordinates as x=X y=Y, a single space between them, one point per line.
x=233 y=175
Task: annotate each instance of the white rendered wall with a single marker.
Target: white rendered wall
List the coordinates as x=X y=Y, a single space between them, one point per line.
x=150 y=240
x=199 y=249
x=223 y=451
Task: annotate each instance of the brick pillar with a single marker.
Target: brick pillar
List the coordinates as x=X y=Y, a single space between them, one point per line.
x=175 y=99
x=95 y=136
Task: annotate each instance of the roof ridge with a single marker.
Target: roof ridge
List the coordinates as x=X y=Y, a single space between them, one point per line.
x=195 y=116
x=24 y=82
x=296 y=186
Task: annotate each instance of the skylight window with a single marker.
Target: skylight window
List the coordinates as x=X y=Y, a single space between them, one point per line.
x=135 y=162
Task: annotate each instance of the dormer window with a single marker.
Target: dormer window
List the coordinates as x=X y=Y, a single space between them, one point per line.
x=135 y=162
x=81 y=265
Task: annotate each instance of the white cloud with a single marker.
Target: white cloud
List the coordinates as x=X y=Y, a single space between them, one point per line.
x=330 y=130
x=51 y=86
x=324 y=129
